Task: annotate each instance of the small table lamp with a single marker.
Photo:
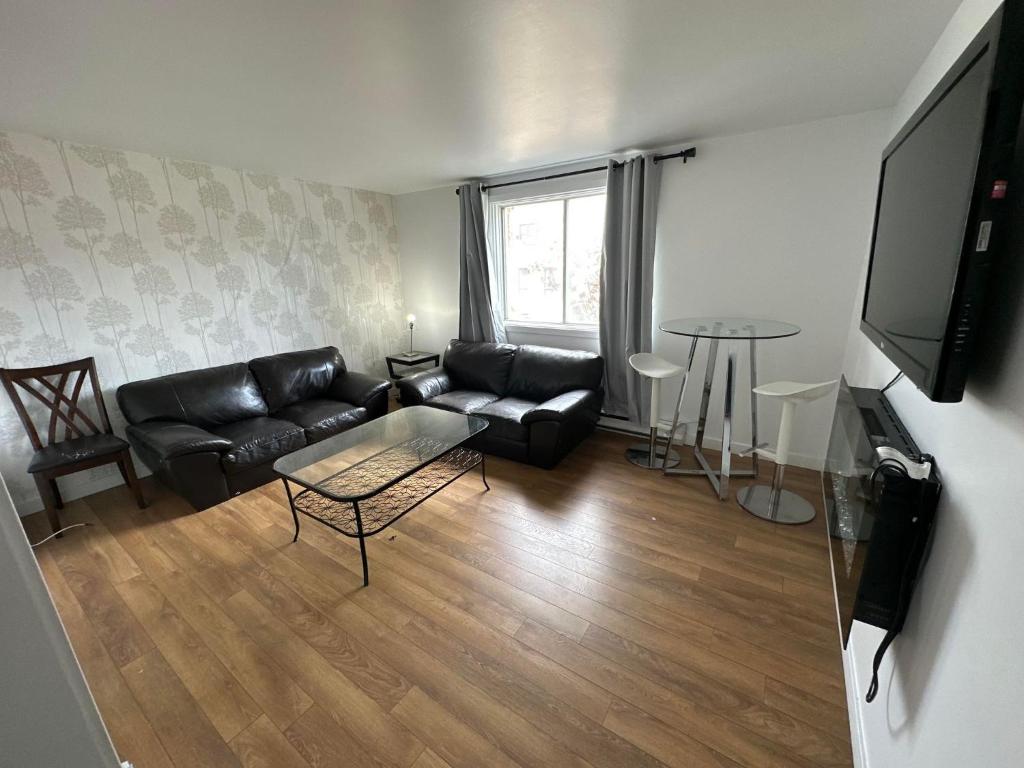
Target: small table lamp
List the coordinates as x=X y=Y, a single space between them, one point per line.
x=412 y=324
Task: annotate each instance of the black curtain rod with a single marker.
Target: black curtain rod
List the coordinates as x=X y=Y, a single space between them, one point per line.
x=683 y=153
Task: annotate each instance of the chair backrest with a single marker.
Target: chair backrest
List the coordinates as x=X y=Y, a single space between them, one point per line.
x=50 y=385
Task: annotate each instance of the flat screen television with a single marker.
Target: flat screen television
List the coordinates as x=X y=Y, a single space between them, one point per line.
x=940 y=214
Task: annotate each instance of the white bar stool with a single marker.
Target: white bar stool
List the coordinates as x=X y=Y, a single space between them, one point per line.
x=650 y=455
x=773 y=502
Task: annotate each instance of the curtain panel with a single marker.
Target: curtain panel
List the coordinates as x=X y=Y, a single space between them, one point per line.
x=479 y=318
x=627 y=282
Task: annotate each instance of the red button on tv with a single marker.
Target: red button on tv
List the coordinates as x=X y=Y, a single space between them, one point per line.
x=999 y=189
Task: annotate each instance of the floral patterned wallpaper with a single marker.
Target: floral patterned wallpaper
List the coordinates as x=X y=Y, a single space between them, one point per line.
x=153 y=265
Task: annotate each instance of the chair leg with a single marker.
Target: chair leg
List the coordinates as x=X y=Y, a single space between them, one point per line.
x=43 y=484
x=128 y=473
x=58 y=500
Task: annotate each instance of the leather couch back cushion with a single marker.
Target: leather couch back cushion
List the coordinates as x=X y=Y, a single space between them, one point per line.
x=540 y=373
x=479 y=365
x=293 y=376
x=207 y=397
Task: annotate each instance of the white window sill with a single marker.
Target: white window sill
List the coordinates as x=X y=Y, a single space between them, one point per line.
x=541 y=329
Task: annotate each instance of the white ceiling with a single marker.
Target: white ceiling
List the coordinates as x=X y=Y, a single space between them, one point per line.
x=399 y=95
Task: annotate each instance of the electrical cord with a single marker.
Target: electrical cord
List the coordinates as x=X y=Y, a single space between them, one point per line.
x=58 y=533
x=895 y=378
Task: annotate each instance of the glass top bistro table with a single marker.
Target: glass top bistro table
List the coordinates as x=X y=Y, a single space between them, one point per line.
x=716 y=330
x=361 y=481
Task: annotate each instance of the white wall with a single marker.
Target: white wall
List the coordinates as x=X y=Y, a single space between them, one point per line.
x=950 y=689
x=198 y=266
x=765 y=224
x=428 y=247
x=770 y=224
x=47 y=715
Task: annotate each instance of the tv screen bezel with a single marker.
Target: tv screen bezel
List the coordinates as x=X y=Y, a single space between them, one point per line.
x=931 y=380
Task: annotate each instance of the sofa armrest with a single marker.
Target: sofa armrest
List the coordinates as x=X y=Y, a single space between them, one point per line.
x=357 y=388
x=423 y=386
x=565 y=406
x=167 y=439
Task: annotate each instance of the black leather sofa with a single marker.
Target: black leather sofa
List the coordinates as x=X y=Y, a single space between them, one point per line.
x=539 y=402
x=213 y=433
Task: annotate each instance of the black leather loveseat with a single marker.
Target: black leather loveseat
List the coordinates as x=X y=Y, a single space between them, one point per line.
x=213 y=433
x=540 y=402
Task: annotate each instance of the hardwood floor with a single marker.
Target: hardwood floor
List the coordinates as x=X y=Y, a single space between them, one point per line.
x=597 y=615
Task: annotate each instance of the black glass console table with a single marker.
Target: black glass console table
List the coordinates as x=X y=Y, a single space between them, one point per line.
x=412 y=362
x=361 y=481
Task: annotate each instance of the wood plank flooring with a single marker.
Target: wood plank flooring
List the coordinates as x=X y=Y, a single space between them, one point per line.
x=593 y=616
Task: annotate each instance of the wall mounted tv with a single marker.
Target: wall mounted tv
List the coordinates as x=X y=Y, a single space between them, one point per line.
x=941 y=213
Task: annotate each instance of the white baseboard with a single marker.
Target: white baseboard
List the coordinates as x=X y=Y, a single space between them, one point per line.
x=715 y=443
x=853 y=707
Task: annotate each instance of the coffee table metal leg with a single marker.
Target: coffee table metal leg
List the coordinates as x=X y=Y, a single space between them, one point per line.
x=291 y=504
x=362 y=543
x=483 y=472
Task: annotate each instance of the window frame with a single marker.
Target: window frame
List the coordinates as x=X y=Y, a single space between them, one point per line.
x=495 y=234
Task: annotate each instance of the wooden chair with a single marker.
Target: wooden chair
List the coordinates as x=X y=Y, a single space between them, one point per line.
x=84 y=445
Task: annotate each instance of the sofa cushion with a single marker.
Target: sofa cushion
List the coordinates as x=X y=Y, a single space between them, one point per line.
x=205 y=398
x=541 y=373
x=257 y=441
x=505 y=418
x=462 y=400
x=293 y=376
x=479 y=365
x=322 y=418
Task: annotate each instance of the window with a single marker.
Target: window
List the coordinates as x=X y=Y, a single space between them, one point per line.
x=550 y=255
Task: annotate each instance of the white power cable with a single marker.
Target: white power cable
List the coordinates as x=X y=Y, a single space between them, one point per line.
x=58 y=533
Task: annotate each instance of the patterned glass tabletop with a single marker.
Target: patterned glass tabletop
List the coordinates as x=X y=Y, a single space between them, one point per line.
x=365 y=460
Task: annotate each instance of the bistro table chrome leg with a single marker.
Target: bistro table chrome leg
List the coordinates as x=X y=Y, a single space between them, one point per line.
x=702 y=418
x=753 y=399
x=679 y=404
x=730 y=398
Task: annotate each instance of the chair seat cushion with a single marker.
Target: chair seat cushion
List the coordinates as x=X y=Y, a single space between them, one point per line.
x=257 y=441
x=462 y=400
x=505 y=418
x=321 y=418
x=77 y=449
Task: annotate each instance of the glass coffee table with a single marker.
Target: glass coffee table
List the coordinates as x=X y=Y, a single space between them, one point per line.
x=361 y=481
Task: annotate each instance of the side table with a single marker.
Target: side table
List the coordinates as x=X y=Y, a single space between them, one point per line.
x=409 y=359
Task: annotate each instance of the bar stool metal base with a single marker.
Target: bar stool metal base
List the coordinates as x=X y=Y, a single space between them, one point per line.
x=640 y=454
x=788 y=508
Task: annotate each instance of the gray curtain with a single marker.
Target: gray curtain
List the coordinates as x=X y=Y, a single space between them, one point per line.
x=627 y=282
x=479 y=319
